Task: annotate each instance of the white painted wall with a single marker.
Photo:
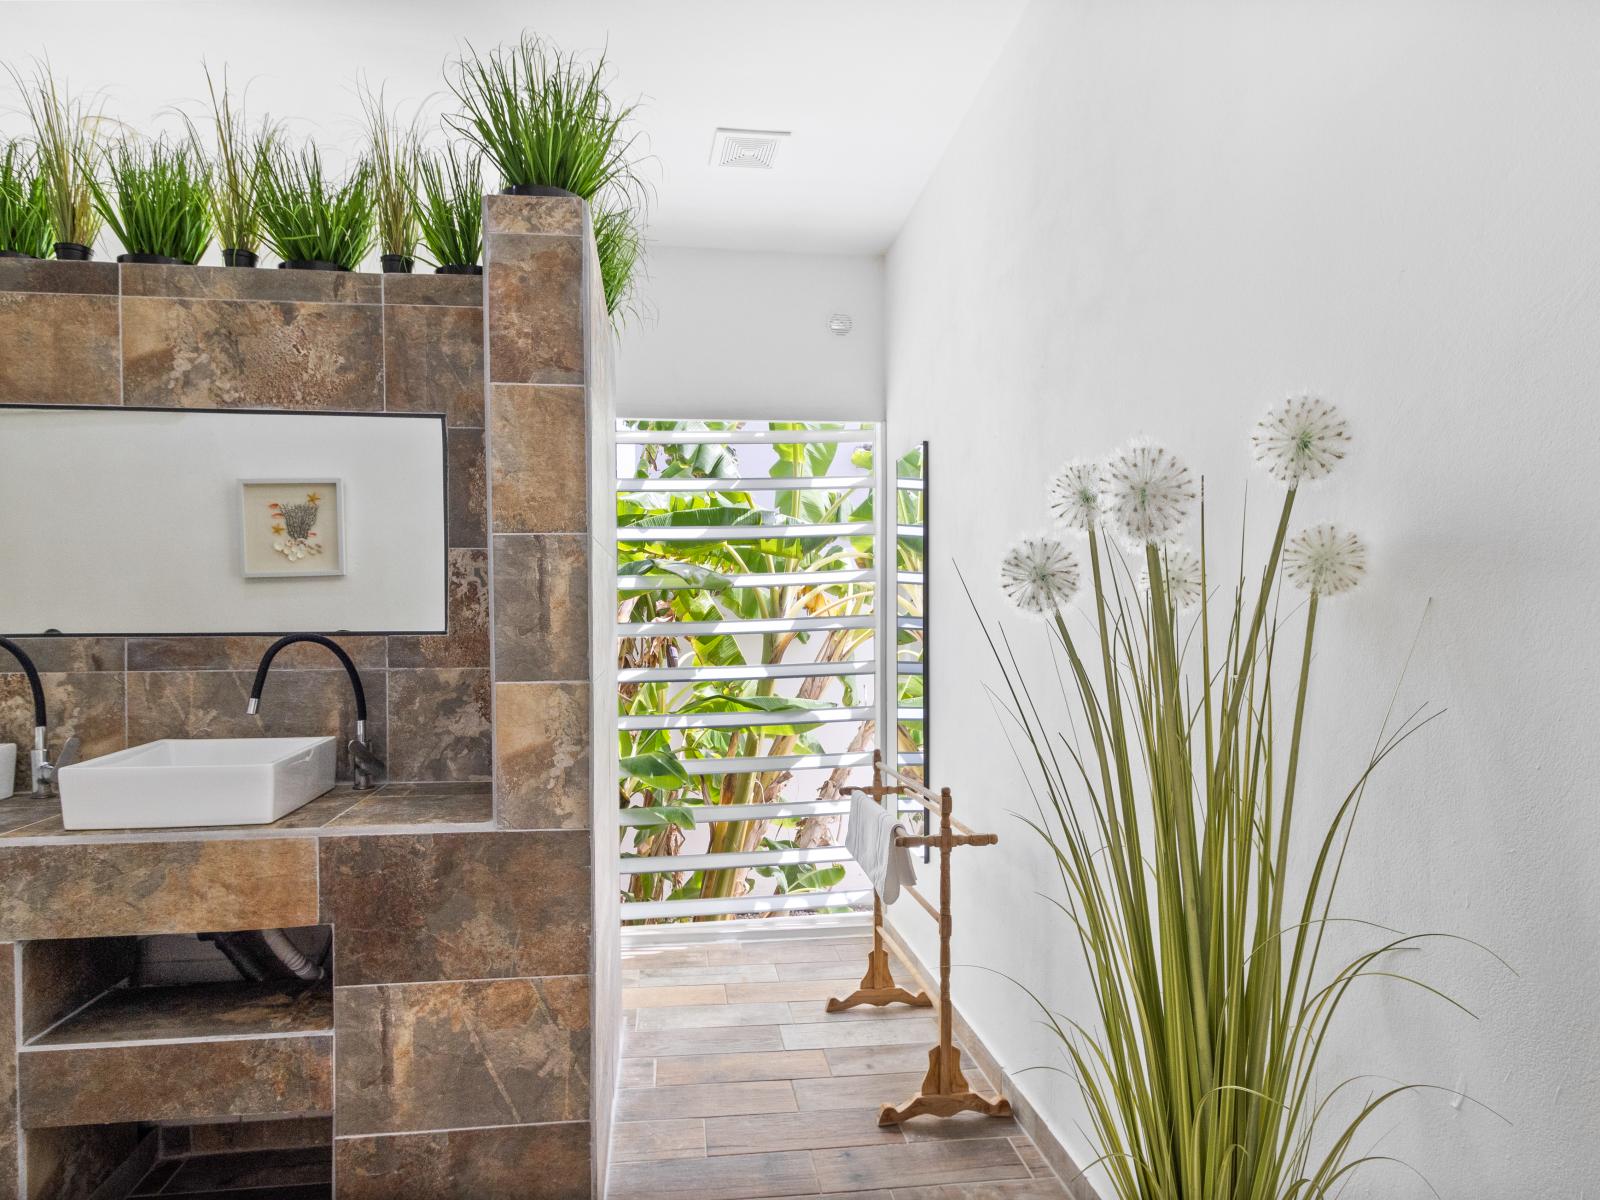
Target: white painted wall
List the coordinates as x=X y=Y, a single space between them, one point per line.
x=724 y=334
x=1159 y=218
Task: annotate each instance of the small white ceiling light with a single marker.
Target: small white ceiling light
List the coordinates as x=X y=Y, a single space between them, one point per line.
x=840 y=324
x=748 y=149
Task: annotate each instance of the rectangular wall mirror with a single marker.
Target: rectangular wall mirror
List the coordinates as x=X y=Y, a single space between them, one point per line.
x=162 y=521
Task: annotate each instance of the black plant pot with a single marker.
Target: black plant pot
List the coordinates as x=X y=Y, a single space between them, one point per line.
x=159 y=259
x=459 y=269
x=15 y=254
x=395 y=264
x=238 y=258
x=310 y=264
x=537 y=189
x=73 y=252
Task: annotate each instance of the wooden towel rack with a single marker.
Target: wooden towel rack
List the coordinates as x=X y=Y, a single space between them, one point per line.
x=945 y=1091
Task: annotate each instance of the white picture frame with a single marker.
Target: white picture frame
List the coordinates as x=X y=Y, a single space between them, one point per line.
x=280 y=542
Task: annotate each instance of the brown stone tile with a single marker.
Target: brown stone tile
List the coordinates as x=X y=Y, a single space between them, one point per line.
x=208 y=704
x=22 y=811
x=541 y=607
x=50 y=275
x=541 y=746
x=739 y=1068
x=457 y=905
x=917 y=1164
x=439 y=724
x=433 y=361
x=425 y=287
x=314 y=815
x=59 y=977
x=649 y=1141
x=139 y=1014
x=232 y=283
x=466 y=644
x=8 y=1071
x=69 y=654
x=244 y=654
x=533 y=214
x=527 y=1162
x=57 y=349
x=231 y=354
x=86 y=705
x=535 y=308
x=798 y=1131
x=116 y=889
x=730 y=1177
x=467 y=524
x=539 y=457
x=222 y=1138
x=426 y=1056
x=71 y=1164
x=176 y=1081
x=400 y=804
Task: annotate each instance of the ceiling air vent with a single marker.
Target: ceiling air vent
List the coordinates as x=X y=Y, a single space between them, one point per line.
x=750 y=149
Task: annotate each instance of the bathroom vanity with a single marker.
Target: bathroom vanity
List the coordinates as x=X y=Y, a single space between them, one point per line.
x=453 y=1029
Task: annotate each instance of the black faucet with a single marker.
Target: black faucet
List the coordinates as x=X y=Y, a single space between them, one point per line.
x=367 y=767
x=42 y=769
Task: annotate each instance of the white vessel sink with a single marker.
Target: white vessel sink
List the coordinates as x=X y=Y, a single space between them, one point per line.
x=175 y=783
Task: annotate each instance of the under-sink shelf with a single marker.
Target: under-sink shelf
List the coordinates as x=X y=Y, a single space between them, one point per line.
x=192 y=1012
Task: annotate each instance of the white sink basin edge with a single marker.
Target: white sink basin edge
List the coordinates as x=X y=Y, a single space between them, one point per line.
x=182 y=783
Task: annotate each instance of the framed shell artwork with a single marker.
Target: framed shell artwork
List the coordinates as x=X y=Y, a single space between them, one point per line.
x=292 y=528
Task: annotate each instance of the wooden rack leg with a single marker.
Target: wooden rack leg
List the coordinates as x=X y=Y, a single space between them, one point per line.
x=877 y=985
x=945 y=1091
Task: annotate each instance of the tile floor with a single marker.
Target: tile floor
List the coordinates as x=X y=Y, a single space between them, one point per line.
x=737 y=1085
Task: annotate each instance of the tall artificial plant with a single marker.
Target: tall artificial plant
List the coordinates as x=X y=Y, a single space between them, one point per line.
x=545 y=119
x=239 y=159
x=618 y=247
x=393 y=153
x=1171 y=806
x=156 y=197
x=449 y=204
x=312 y=220
x=24 y=203
x=66 y=132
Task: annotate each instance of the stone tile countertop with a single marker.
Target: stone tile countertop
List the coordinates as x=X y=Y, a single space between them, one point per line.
x=343 y=812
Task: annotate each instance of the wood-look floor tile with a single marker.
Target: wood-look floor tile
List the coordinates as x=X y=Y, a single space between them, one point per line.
x=817 y=1036
x=856 y=1091
x=718 y=1039
x=831 y=969
x=883 y=1060
x=740 y=1068
x=710 y=1016
x=799 y=1131
x=805 y=1012
x=779 y=950
x=655 y=976
x=789 y=989
x=918 y=1164
x=647 y=1141
x=727 y=1178
x=969 y=1125
x=673 y=997
x=641 y=957
x=705 y=1100
x=1013 y=1189
x=637 y=1073
x=1029 y=1153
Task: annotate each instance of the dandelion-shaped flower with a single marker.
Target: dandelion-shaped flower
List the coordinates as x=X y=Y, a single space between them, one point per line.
x=1074 y=495
x=1325 y=560
x=1039 y=574
x=1302 y=438
x=1181 y=570
x=1147 y=492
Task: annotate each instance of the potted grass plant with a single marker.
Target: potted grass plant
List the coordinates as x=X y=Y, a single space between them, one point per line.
x=618 y=247
x=545 y=120
x=24 y=206
x=1170 y=786
x=156 y=198
x=310 y=221
x=448 y=202
x=66 y=133
x=392 y=151
x=238 y=163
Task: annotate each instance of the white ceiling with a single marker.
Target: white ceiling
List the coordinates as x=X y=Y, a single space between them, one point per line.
x=871 y=89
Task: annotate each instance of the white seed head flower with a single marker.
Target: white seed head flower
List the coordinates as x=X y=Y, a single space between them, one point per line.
x=1039 y=574
x=1074 y=495
x=1181 y=569
x=1148 y=491
x=1325 y=560
x=1302 y=438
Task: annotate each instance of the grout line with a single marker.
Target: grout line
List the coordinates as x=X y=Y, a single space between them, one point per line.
x=356 y=1137
x=218 y=1040
x=23 y=1044
x=345 y=987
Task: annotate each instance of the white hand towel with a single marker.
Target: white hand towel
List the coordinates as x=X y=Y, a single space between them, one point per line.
x=870 y=839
